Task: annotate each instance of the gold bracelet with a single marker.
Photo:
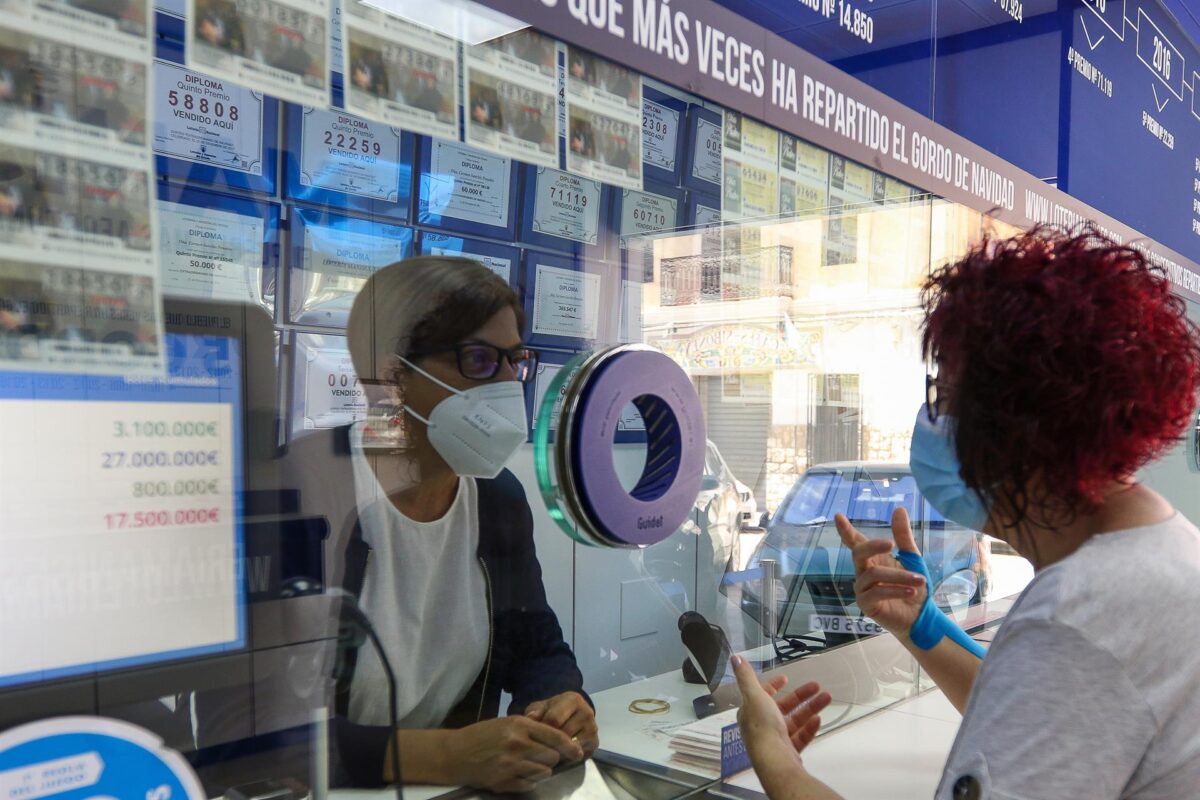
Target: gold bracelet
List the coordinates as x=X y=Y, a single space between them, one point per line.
x=649 y=706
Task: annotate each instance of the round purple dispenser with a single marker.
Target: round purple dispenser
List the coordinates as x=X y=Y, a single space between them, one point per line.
x=675 y=442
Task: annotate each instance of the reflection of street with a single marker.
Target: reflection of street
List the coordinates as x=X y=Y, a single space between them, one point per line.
x=798 y=364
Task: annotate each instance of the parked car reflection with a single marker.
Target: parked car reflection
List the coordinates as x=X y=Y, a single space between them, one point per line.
x=724 y=506
x=815 y=593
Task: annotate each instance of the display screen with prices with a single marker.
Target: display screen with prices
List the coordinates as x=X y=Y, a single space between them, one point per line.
x=120 y=515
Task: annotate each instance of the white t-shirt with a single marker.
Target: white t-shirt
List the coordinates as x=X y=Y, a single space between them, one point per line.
x=425 y=594
x=1091 y=688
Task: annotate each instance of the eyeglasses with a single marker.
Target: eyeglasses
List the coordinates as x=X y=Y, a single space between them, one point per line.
x=479 y=361
x=932 y=396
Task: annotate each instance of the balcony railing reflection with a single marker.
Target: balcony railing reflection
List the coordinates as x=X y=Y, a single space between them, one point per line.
x=747 y=275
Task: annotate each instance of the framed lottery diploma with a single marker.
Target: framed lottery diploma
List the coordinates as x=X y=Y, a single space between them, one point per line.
x=325 y=389
x=340 y=161
x=751 y=191
x=503 y=260
x=640 y=216
x=217 y=247
x=212 y=132
x=702 y=210
x=278 y=47
x=465 y=189
x=899 y=191
x=335 y=42
x=563 y=211
x=703 y=155
x=854 y=183
x=569 y=301
x=330 y=257
x=664 y=119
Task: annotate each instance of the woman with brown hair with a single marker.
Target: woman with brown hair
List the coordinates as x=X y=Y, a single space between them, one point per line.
x=438 y=546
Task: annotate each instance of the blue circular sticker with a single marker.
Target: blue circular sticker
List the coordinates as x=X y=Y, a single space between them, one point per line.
x=91 y=757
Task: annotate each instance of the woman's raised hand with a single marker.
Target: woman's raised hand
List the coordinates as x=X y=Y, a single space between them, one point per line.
x=885 y=591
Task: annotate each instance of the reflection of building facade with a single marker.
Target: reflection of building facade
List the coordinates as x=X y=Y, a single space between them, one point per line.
x=801 y=361
x=734 y=275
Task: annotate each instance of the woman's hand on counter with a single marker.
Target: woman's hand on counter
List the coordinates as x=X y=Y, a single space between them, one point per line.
x=509 y=754
x=571 y=714
x=776 y=731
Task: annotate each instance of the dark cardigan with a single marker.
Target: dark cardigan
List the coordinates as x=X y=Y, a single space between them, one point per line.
x=527 y=656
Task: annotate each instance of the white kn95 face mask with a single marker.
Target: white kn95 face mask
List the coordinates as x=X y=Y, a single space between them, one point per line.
x=476 y=430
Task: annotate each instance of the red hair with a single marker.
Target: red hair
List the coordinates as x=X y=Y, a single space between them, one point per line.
x=1071 y=365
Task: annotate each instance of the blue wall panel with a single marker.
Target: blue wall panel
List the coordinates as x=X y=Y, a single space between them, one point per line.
x=1068 y=92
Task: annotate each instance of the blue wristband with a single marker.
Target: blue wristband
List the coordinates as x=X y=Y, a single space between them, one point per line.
x=931 y=624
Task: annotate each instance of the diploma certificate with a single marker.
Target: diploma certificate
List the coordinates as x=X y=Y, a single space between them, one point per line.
x=210 y=254
x=566 y=206
x=207 y=120
x=344 y=153
x=467 y=184
x=660 y=135
x=566 y=302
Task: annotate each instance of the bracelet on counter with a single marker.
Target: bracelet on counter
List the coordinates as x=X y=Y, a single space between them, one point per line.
x=647 y=705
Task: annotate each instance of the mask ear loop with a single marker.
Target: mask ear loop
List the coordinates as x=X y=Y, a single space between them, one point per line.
x=438 y=381
x=407 y=408
x=414 y=414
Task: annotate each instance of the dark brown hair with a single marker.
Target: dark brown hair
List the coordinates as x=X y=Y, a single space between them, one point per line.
x=422 y=304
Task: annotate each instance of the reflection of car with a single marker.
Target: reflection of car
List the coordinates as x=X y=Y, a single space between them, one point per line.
x=714 y=464
x=723 y=506
x=816 y=587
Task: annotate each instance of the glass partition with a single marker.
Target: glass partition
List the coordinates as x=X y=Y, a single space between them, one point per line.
x=244 y=462
x=801 y=333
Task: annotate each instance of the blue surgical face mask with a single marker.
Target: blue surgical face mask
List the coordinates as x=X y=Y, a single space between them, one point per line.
x=934 y=464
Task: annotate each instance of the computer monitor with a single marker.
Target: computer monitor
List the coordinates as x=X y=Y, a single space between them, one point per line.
x=120 y=510
x=94 y=465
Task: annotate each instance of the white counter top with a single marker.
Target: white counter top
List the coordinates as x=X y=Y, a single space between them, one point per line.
x=897 y=752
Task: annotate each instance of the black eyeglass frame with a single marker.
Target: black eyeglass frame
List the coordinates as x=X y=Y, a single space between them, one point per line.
x=931 y=396
x=532 y=356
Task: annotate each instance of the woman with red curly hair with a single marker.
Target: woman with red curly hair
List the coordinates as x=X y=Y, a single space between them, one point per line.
x=1065 y=365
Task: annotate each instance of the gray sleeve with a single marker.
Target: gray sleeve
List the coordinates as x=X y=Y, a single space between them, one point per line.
x=1051 y=716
